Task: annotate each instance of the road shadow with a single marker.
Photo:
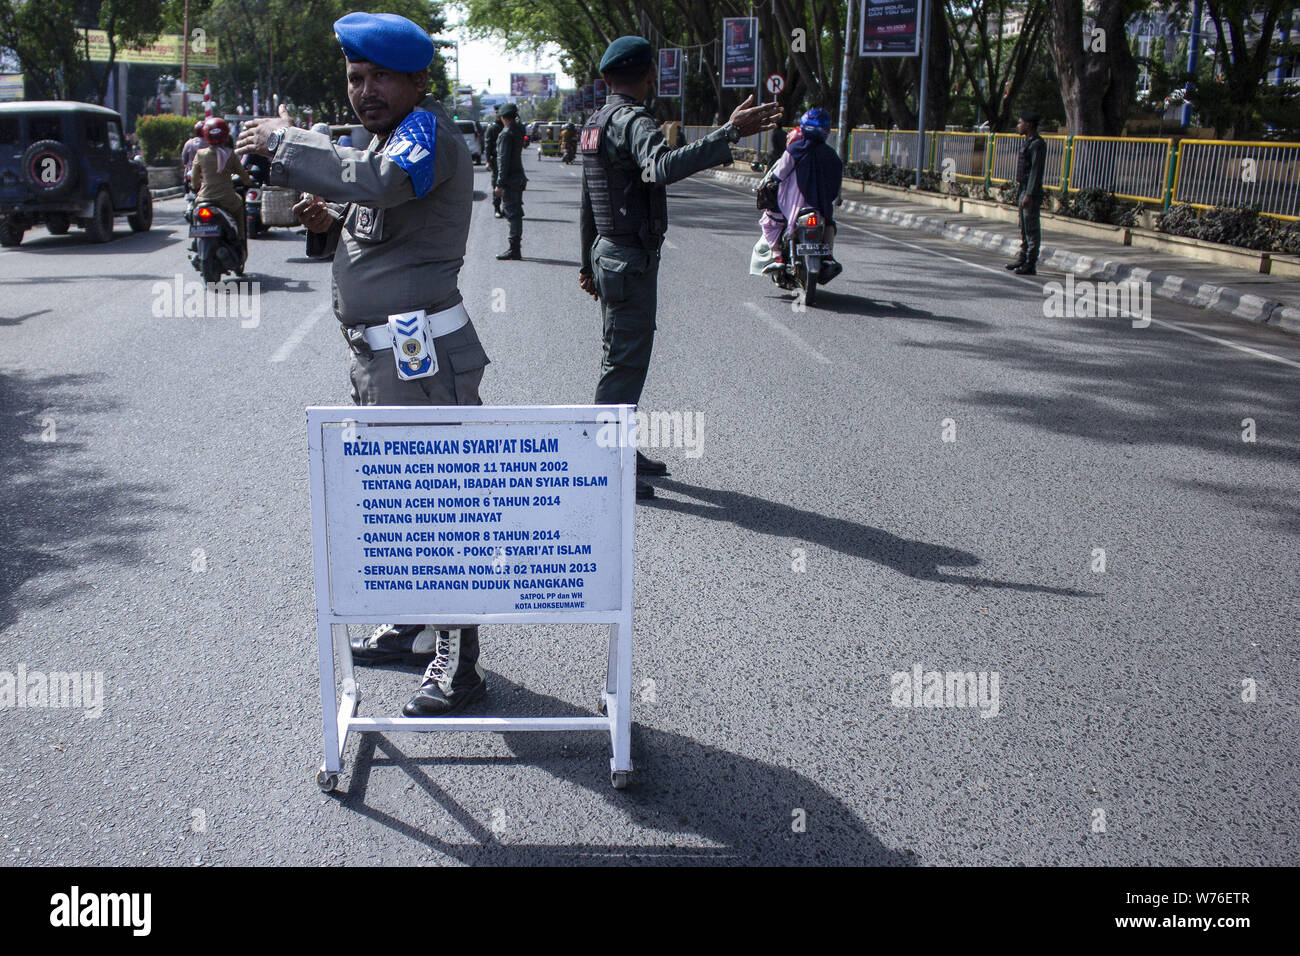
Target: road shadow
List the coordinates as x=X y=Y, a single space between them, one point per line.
x=540 y=219
x=915 y=559
x=553 y=262
x=744 y=807
x=124 y=242
x=1103 y=380
x=847 y=303
x=58 y=511
x=20 y=319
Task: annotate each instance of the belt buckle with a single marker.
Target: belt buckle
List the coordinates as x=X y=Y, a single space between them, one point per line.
x=355 y=336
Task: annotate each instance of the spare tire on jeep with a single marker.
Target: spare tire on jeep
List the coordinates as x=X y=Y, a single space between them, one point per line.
x=49 y=168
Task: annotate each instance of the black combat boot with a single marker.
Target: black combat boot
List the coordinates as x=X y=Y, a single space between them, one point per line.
x=1026 y=269
x=513 y=251
x=648 y=466
x=453 y=678
x=408 y=643
x=1013 y=266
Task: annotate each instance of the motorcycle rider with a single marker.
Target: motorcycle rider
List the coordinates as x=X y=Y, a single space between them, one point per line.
x=216 y=171
x=810 y=174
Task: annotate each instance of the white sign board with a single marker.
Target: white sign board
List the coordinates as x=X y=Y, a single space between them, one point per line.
x=471 y=515
x=471 y=518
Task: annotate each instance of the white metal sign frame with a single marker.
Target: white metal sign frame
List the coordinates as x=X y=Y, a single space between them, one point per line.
x=338 y=713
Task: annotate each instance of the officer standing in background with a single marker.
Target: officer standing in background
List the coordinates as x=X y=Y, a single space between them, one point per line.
x=626 y=169
x=509 y=182
x=400 y=209
x=494 y=131
x=1029 y=177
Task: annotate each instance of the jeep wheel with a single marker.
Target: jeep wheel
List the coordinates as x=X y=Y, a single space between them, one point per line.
x=100 y=226
x=57 y=224
x=10 y=235
x=142 y=218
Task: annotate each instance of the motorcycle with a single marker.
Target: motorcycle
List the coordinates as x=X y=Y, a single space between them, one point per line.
x=216 y=247
x=257 y=168
x=253 y=212
x=570 y=153
x=806 y=256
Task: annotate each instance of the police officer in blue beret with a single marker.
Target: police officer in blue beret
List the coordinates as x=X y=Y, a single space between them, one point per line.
x=626 y=168
x=401 y=211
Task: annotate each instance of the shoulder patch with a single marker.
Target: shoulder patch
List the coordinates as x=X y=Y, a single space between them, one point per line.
x=412 y=148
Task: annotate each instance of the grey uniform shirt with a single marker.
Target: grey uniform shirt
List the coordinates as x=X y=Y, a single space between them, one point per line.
x=634 y=141
x=402 y=207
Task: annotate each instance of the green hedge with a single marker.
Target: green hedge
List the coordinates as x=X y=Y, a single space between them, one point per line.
x=163 y=136
x=1244 y=228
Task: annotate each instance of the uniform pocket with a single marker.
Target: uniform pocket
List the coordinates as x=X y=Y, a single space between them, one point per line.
x=612 y=275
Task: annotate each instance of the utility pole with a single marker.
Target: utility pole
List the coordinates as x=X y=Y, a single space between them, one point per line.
x=1193 y=48
x=185 y=63
x=925 y=81
x=841 y=133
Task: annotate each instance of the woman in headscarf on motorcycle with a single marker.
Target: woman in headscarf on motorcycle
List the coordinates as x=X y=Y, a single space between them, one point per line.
x=216 y=170
x=810 y=174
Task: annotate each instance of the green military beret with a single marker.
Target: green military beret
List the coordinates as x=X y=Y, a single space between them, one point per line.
x=510 y=110
x=627 y=53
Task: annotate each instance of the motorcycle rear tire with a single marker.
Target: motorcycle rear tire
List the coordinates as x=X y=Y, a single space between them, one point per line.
x=808 y=287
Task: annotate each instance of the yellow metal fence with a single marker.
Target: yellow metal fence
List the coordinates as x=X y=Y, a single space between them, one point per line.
x=1201 y=173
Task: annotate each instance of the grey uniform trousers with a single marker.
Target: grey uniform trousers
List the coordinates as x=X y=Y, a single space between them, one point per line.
x=627 y=278
x=461 y=361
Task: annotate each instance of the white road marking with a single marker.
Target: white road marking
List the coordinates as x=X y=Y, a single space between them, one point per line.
x=669 y=243
x=1002 y=273
x=1154 y=321
x=297 y=335
x=788 y=332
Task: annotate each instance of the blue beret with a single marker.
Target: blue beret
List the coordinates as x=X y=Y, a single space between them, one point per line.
x=385 y=39
x=626 y=53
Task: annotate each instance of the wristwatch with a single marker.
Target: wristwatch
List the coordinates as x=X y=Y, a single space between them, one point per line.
x=274 y=139
x=732 y=133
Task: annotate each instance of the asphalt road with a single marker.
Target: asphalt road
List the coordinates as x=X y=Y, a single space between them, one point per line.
x=154 y=528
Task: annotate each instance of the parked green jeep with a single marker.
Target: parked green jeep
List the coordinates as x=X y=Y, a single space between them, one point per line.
x=63 y=164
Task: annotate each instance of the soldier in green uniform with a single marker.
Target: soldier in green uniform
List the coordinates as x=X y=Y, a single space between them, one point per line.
x=491 y=142
x=626 y=169
x=510 y=181
x=1029 y=179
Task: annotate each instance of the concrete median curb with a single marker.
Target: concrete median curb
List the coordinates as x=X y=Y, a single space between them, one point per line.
x=170 y=192
x=1218 y=298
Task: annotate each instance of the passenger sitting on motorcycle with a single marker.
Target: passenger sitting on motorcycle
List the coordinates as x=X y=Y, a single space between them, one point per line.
x=810 y=174
x=216 y=170
x=191 y=147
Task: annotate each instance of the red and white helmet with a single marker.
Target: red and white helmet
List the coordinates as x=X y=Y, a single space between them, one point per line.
x=215 y=130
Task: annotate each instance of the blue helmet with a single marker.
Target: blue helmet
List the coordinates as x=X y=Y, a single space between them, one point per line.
x=816 y=123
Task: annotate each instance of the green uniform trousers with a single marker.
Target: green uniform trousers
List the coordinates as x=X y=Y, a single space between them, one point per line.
x=1031 y=228
x=627 y=279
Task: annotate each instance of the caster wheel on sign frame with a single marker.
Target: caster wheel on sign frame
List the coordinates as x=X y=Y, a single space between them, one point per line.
x=602 y=708
x=328 y=782
x=619 y=779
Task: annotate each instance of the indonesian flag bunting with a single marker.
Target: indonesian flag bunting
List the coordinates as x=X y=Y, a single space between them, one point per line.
x=207 y=97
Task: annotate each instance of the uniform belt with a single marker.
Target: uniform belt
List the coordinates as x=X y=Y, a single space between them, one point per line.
x=380 y=337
